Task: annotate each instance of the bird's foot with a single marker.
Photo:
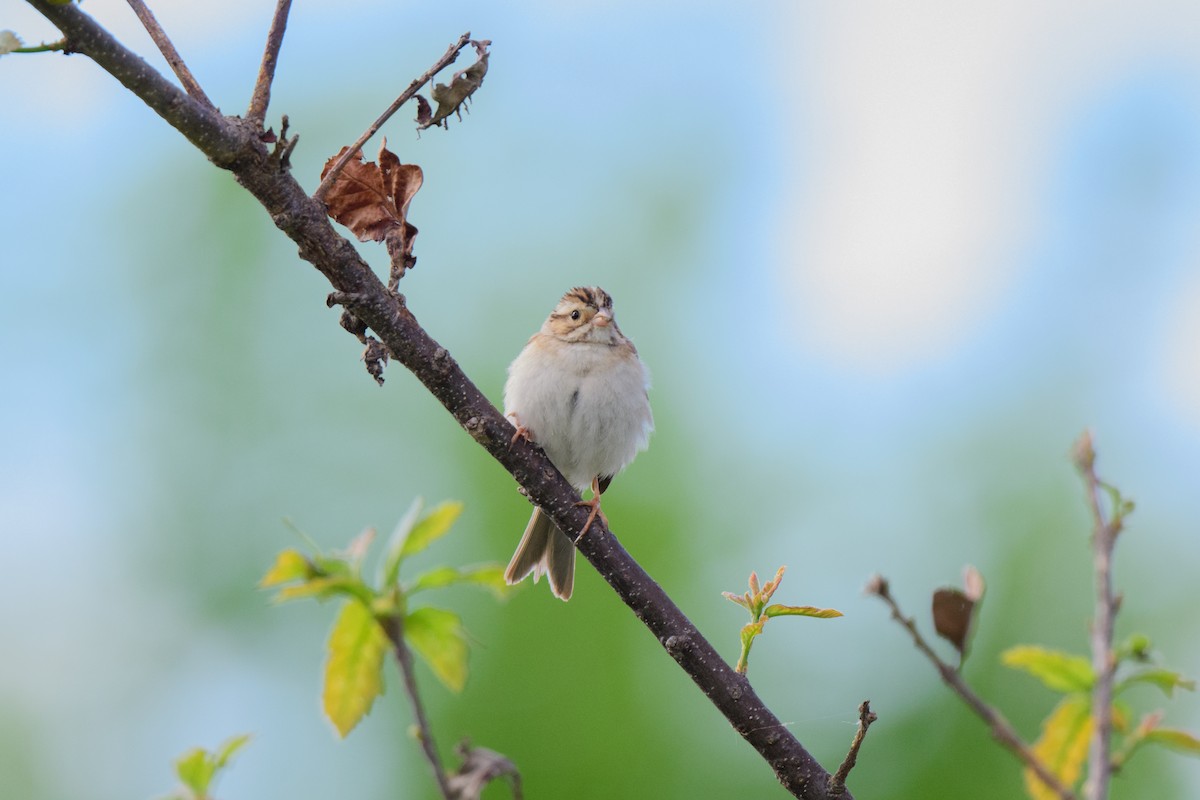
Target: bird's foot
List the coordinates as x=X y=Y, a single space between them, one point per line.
x=594 y=505
x=522 y=431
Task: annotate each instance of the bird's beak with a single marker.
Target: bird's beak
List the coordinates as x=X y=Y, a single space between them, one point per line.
x=603 y=318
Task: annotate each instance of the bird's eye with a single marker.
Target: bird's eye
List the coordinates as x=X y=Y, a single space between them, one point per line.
x=575 y=314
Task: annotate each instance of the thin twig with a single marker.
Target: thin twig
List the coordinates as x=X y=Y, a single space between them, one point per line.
x=394 y=625
x=1001 y=729
x=51 y=47
x=837 y=781
x=266 y=71
x=1104 y=539
x=446 y=60
x=163 y=42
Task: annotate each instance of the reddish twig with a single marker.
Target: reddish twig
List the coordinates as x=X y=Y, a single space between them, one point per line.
x=1104 y=540
x=446 y=60
x=1002 y=730
x=163 y=42
x=266 y=71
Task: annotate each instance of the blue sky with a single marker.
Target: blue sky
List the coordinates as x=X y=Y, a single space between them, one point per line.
x=878 y=249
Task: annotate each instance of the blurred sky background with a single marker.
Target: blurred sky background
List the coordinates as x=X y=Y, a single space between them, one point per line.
x=885 y=262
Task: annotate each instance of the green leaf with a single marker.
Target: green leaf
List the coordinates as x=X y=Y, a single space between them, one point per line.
x=488 y=576
x=780 y=610
x=353 y=673
x=290 y=565
x=437 y=636
x=324 y=588
x=1136 y=647
x=1059 y=671
x=229 y=748
x=432 y=527
x=196 y=768
x=333 y=566
x=749 y=631
x=392 y=555
x=1164 y=679
x=1180 y=741
x=1063 y=745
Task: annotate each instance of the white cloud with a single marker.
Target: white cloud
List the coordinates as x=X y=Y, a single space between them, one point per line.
x=931 y=125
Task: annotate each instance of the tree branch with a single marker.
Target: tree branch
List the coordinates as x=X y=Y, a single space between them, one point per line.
x=266 y=71
x=1104 y=540
x=446 y=60
x=1001 y=729
x=394 y=626
x=163 y=42
x=866 y=717
x=233 y=144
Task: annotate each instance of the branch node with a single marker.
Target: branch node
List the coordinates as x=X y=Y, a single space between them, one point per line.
x=282 y=152
x=677 y=645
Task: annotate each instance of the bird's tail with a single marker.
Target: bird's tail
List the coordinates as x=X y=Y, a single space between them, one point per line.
x=544 y=549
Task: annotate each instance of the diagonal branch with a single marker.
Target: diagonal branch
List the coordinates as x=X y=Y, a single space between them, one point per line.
x=163 y=42
x=1002 y=730
x=446 y=60
x=232 y=144
x=266 y=71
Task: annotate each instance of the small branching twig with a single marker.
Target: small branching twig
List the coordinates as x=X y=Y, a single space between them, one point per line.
x=837 y=781
x=13 y=45
x=1001 y=729
x=1105 y=529
x=266 y=71
x=284 y=144
x=446 y=60
x=163 y=42
x=394 y=626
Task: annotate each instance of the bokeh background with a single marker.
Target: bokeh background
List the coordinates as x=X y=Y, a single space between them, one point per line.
x=885 y=261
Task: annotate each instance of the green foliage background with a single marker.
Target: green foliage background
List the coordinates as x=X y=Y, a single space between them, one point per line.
x=177 y=387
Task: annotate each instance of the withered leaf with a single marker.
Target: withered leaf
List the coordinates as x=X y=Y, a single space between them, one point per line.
x=451 y=98
x=424 y=112
x=372 y=199
x=954 y=610
x=952 y=616
x=479 y=768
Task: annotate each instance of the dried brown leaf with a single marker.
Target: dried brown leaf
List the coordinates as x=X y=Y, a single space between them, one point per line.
x=372 y=199
x=955 y=610
x=424 y=112
x=952 y=616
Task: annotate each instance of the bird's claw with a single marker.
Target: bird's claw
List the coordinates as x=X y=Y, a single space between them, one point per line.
x=522 y=433
x=594 y=504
